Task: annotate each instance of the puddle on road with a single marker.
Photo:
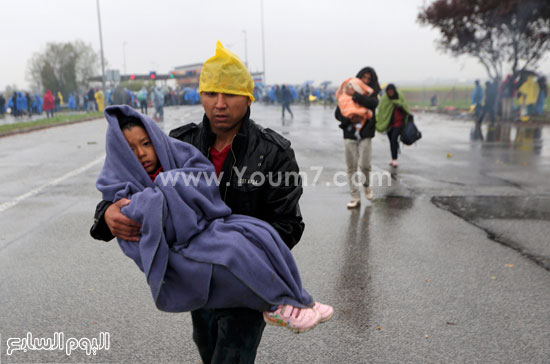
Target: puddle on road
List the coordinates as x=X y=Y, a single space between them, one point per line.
x=508 y=220
x=515 y=137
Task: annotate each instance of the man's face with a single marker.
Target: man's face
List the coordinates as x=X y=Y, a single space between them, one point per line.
x=225 y=111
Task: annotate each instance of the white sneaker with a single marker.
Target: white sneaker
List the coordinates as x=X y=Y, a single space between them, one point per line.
x=369 y=194
x=354 y=204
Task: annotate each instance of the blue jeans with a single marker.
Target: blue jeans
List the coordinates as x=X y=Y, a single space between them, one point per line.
x=227 y=336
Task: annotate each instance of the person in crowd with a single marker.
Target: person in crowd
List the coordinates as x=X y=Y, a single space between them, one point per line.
x=391 y=118
x=57 y=102
x=81 y=101
x=71 y=103
x=142 y=98
x=528 y=94
x=49 y=104
x=491 y=91
x=543 y=93
x=477 y=98
x=157 y=97
x=358 y=146
x=230 y=139
x=21 y=104
x=92 y=106
x=307 y=93
x=14 y=111
x=60 y=96
x=29 y=103
x=99 y=100
x=507 y=97
x=2 y=104
x=286 y=98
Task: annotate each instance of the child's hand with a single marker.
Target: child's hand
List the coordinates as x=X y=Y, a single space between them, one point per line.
x=122 y=226
x=349 y=90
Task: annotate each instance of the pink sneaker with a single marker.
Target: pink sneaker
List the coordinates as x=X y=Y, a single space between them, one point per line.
x=293 y=318
x=325 y=311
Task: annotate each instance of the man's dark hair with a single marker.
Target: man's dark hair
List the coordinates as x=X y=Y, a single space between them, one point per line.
x=128 y=122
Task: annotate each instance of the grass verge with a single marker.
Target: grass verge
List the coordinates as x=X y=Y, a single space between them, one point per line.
x=41 y=123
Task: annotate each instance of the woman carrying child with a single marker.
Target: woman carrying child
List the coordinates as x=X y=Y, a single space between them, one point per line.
x=357 y=142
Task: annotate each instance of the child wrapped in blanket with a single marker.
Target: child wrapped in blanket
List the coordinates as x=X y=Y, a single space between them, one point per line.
x=193 y=251
x=349 y=108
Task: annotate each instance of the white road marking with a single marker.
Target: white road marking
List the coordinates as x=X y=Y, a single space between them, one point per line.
x=34 y=192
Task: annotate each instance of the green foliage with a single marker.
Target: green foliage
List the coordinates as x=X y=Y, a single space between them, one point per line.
x=63 y=67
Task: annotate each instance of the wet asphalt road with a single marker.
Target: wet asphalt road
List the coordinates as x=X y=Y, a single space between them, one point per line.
x=446 y=265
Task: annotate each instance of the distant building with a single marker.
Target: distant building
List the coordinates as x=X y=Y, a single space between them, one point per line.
x=188 y=75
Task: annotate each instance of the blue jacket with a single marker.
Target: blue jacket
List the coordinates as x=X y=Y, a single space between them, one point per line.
x=477 y=95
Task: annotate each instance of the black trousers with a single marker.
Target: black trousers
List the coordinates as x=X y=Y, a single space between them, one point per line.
x=143 y=105
x=487 y=110
x=393 y=136
x=286 y=105
x=227 y=336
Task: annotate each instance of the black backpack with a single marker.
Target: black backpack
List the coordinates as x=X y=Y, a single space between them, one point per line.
x=410 y=132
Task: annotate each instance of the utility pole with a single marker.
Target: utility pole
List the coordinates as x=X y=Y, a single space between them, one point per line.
x=124 y=56
x=263 y=41
x=101 y=45
x=245 y=50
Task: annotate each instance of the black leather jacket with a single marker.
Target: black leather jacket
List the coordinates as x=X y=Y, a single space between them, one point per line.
x=255 y=152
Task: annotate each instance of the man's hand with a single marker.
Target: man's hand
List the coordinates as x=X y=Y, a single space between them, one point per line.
x=121 y=226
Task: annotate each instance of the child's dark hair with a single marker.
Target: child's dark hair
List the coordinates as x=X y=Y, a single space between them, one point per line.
x=128 y=122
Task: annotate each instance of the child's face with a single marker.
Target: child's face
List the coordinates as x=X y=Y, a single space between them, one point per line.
x=141 y=145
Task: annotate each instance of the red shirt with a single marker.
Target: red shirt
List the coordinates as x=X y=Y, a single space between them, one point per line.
x=154 y=175
x=397 y=118
x=219 y=157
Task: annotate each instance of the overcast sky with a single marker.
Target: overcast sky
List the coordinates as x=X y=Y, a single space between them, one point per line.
x=304 y=40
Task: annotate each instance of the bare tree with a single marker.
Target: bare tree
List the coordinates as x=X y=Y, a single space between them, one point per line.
x=502 y=34
x=63 y=67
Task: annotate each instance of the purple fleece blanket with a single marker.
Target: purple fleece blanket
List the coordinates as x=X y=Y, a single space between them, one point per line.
x=194 y=253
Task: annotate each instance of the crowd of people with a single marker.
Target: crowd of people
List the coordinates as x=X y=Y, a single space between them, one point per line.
x=23 y=104
x=299 y=94
x=528 y=89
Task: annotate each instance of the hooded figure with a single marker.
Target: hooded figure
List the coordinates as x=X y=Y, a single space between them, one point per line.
x=387 y=106
x=48 y=103
x=191 y=248
x=71 y=102
x=100 y=100
x=21 y=102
